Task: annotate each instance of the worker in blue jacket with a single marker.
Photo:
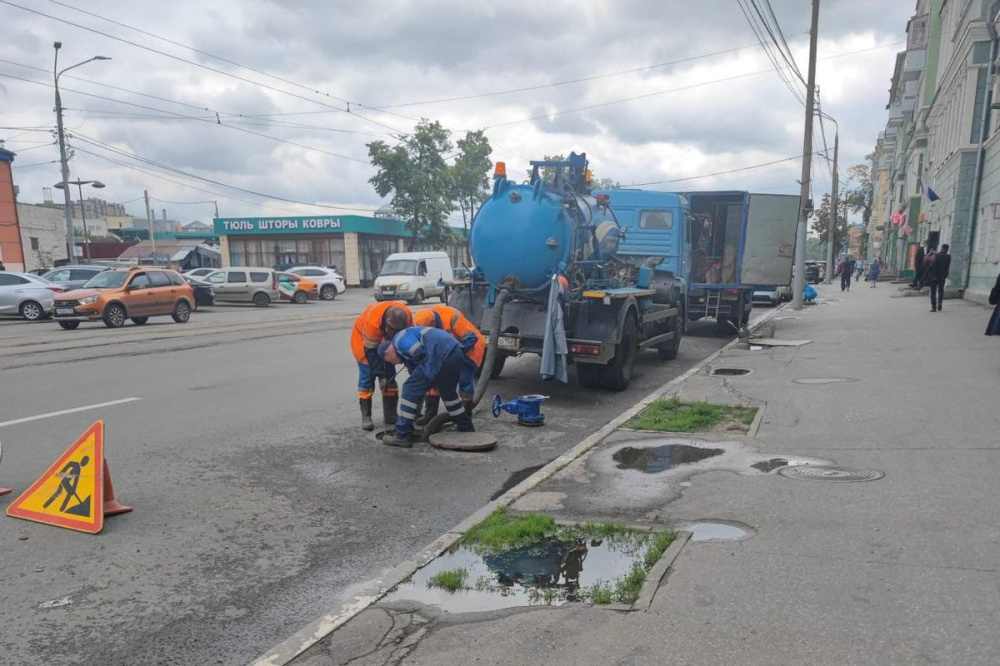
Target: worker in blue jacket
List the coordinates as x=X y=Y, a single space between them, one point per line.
x=434 y=359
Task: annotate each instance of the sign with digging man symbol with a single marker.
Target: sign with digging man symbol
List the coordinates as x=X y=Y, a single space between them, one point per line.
x=71 y=493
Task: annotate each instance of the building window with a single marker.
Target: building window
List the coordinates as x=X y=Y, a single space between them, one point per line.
x=34 y=243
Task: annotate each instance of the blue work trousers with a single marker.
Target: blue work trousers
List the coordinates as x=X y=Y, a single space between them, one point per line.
x=445 y=382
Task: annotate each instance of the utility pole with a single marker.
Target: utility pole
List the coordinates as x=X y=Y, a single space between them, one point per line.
x=149 y=221
x=834 y=206
x=805 y=208
x=64 y=166
x=63 y=160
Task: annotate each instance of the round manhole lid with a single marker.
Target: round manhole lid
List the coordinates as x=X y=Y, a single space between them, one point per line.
x=830 y=473
x=463 y=441
x=730 y=371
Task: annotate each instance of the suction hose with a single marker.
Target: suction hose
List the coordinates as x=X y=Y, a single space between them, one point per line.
x=496 y=321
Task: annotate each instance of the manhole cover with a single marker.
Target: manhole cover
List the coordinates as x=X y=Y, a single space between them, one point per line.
x=830 y=473
x=815 y=381
x=463 y=441
x=730 y=371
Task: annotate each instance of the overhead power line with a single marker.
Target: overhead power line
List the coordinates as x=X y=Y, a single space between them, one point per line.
x=719 y=173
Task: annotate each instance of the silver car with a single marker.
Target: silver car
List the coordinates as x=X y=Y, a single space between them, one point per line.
x=329 y=281
x=73 y=277
x=27 y=295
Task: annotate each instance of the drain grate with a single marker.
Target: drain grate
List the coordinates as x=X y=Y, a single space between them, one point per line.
x=830 y=473
x=730 y=371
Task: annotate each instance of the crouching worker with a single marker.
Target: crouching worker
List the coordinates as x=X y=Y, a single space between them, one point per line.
x=452 y=321
x=434 y=359
x=378 y=323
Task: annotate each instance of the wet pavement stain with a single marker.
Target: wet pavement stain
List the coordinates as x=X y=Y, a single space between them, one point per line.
x=716 y=532
x=732 y=372
x=516 y=478
x=770 y=465
x=653 y=459
x=548 y=573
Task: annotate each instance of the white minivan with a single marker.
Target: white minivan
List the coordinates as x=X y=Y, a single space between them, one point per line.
x=414 y=276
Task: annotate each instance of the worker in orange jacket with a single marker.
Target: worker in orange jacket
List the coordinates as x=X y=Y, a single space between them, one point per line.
x=473 y=344
x=378 y=323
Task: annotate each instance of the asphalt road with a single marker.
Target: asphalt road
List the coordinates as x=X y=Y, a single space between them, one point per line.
x=259 y=503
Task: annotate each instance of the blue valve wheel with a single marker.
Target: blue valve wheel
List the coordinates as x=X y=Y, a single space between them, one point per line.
x=497 y=402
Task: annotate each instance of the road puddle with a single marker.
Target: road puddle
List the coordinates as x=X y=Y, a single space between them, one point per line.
x=653 y=459
x=550 y=572
x=716 y=532
x=770 y=465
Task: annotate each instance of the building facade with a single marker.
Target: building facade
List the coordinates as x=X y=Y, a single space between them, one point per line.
x=43 y=236
x=939 y=157
x=11 y=255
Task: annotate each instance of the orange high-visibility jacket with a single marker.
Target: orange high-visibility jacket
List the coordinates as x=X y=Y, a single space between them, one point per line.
x=449 y=319
x=368 y=327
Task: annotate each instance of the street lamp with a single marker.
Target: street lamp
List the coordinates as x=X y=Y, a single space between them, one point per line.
x=64 y=162
x=834 y=198
x=83 y=214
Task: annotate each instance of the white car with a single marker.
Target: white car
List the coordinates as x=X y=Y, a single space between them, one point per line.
x=199 y=273
x=329 y=281
x=772 y=295
x=27 y=295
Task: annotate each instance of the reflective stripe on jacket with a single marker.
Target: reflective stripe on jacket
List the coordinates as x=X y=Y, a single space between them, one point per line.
x=453 y=321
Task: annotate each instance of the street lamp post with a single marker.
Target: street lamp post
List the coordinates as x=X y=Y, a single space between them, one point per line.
x=83 y=214
x=63 y=160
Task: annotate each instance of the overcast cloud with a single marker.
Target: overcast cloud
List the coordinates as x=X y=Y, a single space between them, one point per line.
x=378 y=53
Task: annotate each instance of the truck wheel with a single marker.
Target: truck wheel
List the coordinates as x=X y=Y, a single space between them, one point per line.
x=589 y=375
x=618 y=373
x=668 y=351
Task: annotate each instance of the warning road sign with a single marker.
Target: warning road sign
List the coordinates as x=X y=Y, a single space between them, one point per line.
x=71 y=492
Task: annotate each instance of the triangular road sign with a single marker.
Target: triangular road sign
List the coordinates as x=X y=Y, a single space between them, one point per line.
x=70 y=493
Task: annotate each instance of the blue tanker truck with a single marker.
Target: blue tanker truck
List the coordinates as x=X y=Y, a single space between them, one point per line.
x=595 y=278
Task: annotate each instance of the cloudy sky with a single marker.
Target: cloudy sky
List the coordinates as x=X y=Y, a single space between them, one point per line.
x=253 y=93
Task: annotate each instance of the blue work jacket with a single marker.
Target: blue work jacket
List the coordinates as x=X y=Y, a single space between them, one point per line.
x=424 y=347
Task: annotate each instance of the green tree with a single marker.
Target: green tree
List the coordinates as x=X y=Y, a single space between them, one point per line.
x=470 y=178
x=821 y=224
x=548 y=173
x=415 y=173
x=606 y=184
x=859 y=196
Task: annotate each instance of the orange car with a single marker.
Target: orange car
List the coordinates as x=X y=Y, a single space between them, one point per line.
x=296 y=288
x=126 y=293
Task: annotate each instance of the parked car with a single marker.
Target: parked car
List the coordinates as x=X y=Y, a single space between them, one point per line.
x=414 y=276
x=296 y=288
x=813 y=274
x=329 y=281
x=29 y=296
x=116 y=295
x=73 y=277
x=204 y=294
x=245 y=285
x=772 y=295
x=199 y=273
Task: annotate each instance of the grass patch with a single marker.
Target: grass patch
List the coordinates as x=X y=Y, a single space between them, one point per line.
x=500 y=530
x=452 y=580
x=628 y=588
x=600 y=593
x=672 y=415
x=661 y=540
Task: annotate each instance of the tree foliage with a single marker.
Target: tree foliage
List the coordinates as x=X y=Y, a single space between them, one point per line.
x=859 y=196
x=549 y=173
x=470 y=177
x=821 y=225
x=420 y=181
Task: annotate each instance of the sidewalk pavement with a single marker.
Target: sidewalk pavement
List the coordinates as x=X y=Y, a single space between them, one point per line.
x=900 y=570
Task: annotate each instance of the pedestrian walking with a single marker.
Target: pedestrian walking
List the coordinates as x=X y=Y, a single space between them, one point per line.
x=929 y=275
x=861 y=269
x=918 y=267
x=846 y=272
x=874 y=269
x=434 y=359
x=942 y=267
x=993 y=327
x=378 y=323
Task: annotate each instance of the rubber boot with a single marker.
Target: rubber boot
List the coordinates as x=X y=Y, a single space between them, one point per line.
x=366 y=414
x=468 y=412
x=431 y=405
x=389 y=413
x=400 y=441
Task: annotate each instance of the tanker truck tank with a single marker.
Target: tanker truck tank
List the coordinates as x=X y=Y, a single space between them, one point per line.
x=524 y=234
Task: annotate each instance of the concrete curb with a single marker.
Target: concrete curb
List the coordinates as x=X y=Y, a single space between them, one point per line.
x=654 y=578
x=319 y=629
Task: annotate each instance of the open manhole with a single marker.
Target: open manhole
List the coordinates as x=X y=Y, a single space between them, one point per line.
x=730 y=371
x=830 y=473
